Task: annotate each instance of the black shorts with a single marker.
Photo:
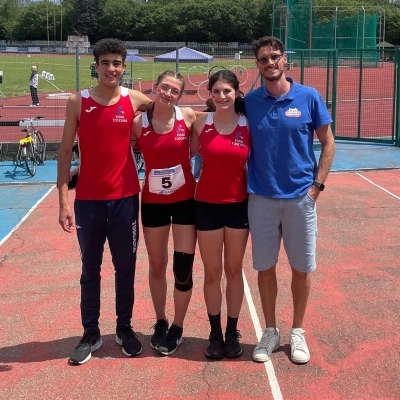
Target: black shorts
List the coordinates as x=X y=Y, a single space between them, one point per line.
x=155 y=215
x=94 y=74
x=211 y=216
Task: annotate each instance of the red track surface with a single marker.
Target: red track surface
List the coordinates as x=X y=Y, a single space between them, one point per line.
x=376 y=109
x=352 y=322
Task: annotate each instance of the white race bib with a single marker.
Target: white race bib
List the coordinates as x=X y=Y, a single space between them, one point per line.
x=166 y=181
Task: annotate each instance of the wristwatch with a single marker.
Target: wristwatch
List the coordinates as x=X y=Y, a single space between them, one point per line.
x=319 y=185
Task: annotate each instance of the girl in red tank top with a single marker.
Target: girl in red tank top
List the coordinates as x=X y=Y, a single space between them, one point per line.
x=223 y=140
x=164 y=137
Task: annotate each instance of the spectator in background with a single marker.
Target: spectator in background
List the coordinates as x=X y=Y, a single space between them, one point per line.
x=94 y=75
x=197 y=159
x=33 y=85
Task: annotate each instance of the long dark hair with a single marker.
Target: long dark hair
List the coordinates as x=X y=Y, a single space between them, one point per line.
x=230 y=78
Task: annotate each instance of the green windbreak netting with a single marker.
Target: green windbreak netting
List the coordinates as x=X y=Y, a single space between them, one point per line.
x=303 y=26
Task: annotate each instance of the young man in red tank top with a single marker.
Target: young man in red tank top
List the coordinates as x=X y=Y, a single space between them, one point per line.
x=107 y=194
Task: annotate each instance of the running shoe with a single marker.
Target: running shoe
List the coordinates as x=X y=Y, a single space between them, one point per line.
x=171 y=341
x=160 y=331
x=90 y=342
x=126 y=337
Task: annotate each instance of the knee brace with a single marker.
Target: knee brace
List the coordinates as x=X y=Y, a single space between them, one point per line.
x=183 y=268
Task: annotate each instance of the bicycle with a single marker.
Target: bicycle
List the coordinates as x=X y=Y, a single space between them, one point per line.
x=32 y=148
x=138 y=159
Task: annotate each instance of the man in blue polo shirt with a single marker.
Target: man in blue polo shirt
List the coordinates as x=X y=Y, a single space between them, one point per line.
x=284 y=182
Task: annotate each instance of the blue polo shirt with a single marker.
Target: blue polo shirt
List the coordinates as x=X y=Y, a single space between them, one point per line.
x=282 y=163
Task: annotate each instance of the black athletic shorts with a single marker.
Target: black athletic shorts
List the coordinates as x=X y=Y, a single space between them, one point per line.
x=211 y=216
x=155 y=215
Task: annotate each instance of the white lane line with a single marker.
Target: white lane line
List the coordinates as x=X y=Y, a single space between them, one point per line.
x=26 y=216
x=273 y=381
x=380 y=187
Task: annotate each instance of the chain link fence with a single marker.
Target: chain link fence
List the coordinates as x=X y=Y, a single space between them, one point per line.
x=361 y=94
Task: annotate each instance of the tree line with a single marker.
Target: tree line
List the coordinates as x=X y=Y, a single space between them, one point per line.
x=159 y=20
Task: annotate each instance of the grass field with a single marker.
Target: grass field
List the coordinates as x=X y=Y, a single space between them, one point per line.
x=17 y=69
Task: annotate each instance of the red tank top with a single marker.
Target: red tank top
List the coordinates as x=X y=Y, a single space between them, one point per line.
x=107 y=167
x=223 y=175
x=168 y=175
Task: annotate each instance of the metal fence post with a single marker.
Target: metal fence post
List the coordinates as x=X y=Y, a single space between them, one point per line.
x=302 y=66
x=360 y=93
x=334 y=88
x=77 y=61
x=397 y=97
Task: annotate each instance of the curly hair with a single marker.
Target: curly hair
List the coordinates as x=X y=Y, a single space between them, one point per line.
x=109 y=46
x=272 y=41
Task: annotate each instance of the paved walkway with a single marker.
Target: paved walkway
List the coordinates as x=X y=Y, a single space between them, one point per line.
x=352 y=319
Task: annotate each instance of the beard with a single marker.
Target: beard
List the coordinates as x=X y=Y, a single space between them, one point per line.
x=273 y=78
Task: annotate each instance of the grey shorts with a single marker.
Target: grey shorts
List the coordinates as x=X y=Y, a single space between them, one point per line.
x=293 y=220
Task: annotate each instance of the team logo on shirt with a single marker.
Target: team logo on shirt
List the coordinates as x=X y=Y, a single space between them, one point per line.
x=119 y=115
x=239 y=140
x=180 y=133
x=293 y=113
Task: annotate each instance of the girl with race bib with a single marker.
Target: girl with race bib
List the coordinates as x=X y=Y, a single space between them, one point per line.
x=164 y=135
x=221 y=197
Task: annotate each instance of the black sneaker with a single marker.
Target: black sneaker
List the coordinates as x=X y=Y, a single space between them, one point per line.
x=232 y=346
x=171 y=341
x=215 y=349
x=127 y=338
x=91 y=341
x=160 y=330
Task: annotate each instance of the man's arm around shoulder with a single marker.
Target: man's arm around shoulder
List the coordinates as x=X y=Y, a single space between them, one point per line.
x=140 y=102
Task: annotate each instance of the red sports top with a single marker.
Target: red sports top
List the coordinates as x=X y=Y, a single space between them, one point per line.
x=107 y=168
x=223 y=175
x=164 y=155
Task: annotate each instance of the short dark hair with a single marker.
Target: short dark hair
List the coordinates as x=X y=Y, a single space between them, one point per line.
x=173 y=74
x=230 y=78
x=272 y=41
x=109 y=46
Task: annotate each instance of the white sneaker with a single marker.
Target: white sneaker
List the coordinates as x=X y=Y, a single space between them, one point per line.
x=269 y=342
x=298 y=346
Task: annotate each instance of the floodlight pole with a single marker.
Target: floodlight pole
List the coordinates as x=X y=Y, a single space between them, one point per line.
x=310 y=26
x=54 y=26
x=335 y=30
x=363 y=37
x=47 y=23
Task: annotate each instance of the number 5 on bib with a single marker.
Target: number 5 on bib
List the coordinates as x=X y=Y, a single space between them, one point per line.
x=166 y=181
